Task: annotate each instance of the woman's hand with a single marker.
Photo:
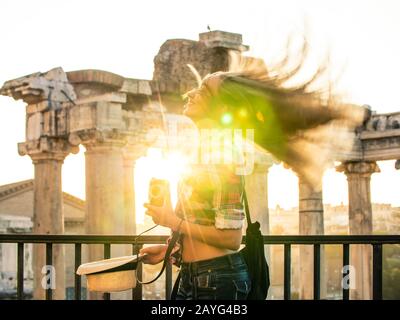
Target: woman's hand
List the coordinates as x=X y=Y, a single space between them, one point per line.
x=163 y=216
x=156 y=254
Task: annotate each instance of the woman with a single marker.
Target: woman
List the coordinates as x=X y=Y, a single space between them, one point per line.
x=209 y=215
x=296 y=125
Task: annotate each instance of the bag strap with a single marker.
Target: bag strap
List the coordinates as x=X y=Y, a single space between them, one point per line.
x=175 y=289
x=246 y=207
x=245 y=202
x=171 y=245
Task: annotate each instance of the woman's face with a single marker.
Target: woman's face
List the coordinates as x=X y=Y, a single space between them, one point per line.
x=196 y=105
x=198 y=100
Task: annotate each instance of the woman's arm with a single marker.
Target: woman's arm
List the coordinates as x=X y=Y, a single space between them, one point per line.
x=222 y=238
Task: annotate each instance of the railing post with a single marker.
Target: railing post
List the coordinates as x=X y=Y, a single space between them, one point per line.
x=78 y=261
x=317 y=271
x=137 y=293
x=377 y=272
x=20 y=271
x=287 y=272
x=107 y=255
x=346 y=263
x=49 y=262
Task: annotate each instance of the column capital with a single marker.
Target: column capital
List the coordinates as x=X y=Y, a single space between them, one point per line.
x=358 y=167
x=132 y=153
x=47 y=148
x=262 y=162
x=51 y=86
x=314 y=183
x=100 y=140
x=261 y=167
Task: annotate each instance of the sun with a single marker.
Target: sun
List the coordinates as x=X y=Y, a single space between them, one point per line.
x=156 y=165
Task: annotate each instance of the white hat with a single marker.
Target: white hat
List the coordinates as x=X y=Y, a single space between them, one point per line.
x=116 y=274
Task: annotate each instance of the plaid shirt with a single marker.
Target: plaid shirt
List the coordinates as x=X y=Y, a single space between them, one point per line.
x=211 y=195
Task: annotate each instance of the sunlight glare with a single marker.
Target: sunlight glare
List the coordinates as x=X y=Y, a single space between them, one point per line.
x=154 y=165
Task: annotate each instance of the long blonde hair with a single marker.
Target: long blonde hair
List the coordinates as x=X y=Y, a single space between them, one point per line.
x=302 y=125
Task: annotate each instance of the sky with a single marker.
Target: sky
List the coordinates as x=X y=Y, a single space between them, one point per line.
x=124 y=36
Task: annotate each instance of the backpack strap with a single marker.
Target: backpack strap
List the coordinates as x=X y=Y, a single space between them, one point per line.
x=245 y=202
x=246 y=207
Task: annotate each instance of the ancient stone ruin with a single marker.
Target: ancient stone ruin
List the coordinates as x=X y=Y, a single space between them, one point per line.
x=111 y=116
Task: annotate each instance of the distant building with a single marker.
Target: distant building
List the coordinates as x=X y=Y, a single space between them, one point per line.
x=386 y=220
x=16 y=213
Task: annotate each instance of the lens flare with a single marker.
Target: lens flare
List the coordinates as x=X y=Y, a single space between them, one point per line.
x=171 y=167
x=226 y=118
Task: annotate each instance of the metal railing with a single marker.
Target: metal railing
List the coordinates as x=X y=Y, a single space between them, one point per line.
x=376 y=241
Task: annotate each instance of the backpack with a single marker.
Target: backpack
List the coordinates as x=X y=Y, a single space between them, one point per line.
x=254 y=256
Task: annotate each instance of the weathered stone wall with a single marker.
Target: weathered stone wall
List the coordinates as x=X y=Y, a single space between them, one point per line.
x=172 y=77
x=171 y=73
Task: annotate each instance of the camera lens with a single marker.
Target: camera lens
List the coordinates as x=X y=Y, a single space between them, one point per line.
x=155 y=191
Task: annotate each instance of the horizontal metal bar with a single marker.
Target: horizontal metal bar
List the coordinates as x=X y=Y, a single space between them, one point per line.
x=312 y=211
x=121 y=239
x=311 y=199
x=85 y=239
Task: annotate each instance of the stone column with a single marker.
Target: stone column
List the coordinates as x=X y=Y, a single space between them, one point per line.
x=47 y=96
x=130 y=155
x=129 y=196
x=105 y=213
x=311 y=222
x=360 y=222
x=48 y=218
x=104 y=188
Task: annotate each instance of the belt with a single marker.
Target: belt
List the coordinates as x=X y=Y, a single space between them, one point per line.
x=229 y=260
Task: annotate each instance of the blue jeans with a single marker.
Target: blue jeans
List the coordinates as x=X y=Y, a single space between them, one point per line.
x=221 y=278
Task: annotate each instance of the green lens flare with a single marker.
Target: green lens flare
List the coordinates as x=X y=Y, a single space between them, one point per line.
x=226 y=118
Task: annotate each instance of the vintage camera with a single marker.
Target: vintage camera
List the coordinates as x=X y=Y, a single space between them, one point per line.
x=158 y=191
